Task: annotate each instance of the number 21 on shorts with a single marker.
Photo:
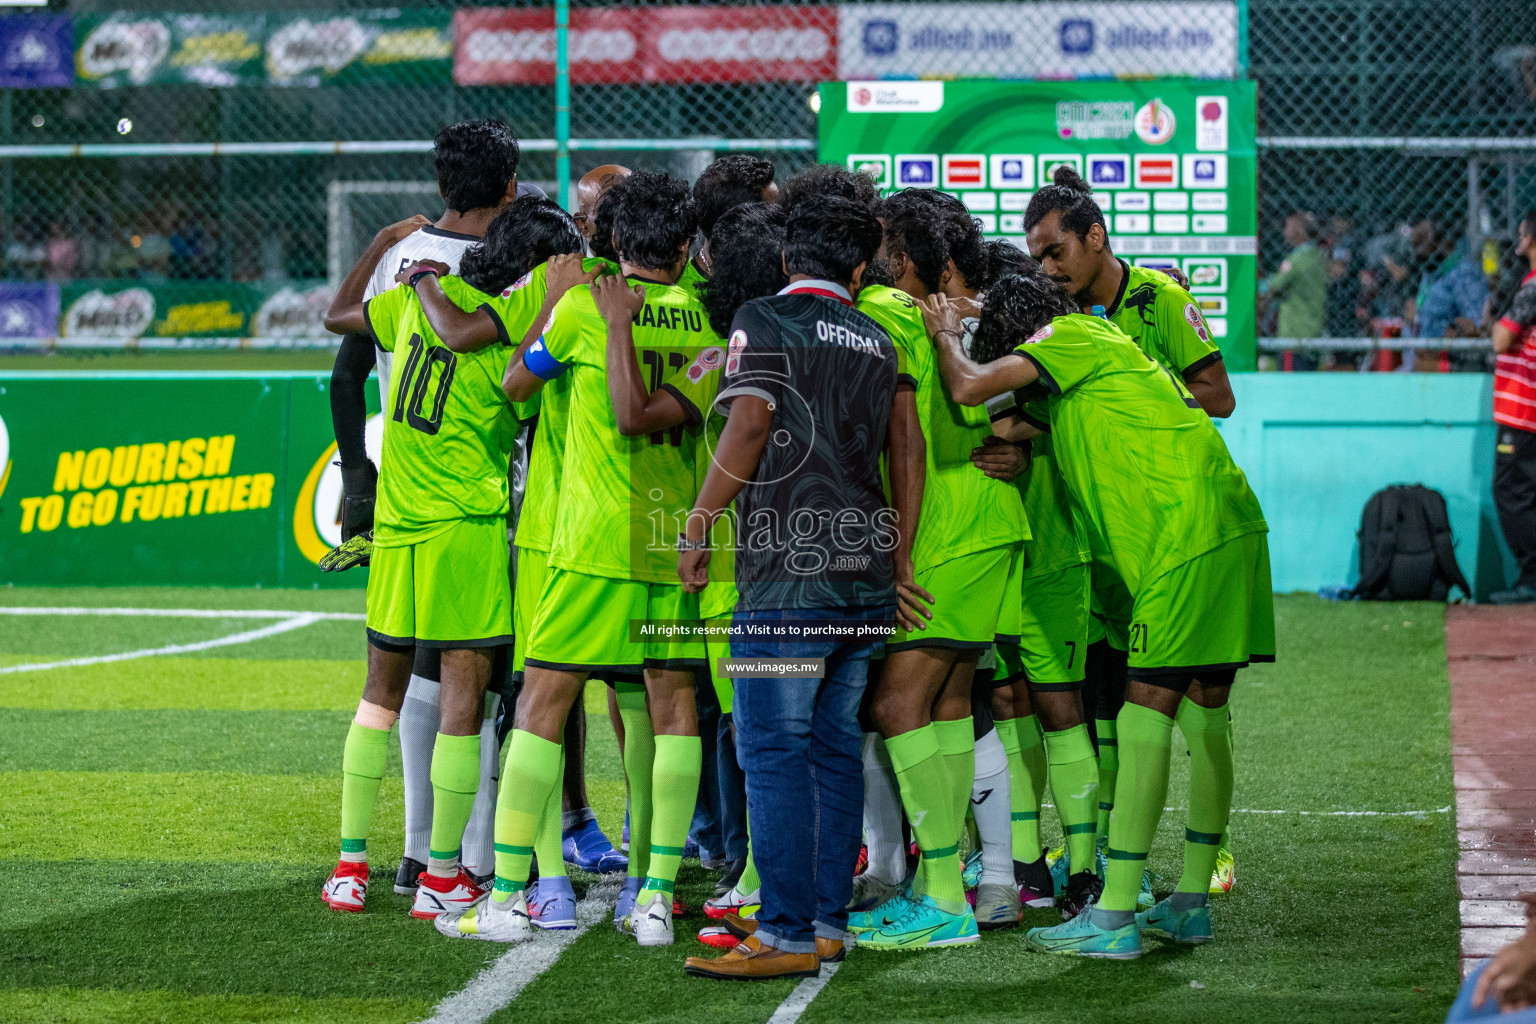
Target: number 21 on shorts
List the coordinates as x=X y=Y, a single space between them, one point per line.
x=1138 y=638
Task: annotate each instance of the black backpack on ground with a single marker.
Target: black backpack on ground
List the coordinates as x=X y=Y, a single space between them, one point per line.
x=1405 y=547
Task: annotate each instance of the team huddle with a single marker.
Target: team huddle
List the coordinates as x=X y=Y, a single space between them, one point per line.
x=1076 y=562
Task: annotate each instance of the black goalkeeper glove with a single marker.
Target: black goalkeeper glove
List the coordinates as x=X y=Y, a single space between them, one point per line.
x=359 y=486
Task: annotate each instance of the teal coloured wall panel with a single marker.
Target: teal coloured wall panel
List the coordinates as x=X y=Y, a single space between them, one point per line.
x=1316 y=446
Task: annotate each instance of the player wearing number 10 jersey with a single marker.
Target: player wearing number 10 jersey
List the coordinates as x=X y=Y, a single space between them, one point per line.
x=622 y=500
x=439 y=573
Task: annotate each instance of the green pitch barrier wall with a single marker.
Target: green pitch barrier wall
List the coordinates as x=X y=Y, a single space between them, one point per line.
x=227 y=479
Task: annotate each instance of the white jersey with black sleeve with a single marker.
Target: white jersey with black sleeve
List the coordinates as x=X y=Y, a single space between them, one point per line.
x=429 y=243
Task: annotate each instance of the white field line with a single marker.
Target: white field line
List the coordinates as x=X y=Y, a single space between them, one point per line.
x=186 y=613
x=799 y=1000
x=287 y=625
x=500 y=983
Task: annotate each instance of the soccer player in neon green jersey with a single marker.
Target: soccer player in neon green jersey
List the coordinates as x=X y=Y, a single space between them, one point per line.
x=439 y=563
x=749 y=264
x=1170 y=512
x=1034 y=700
x=1065 y=230
x=553 y=906
x=621 y=503
x=964 y=556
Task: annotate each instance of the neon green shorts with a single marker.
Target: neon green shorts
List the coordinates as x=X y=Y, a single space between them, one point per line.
x=1054 y=640
x=532 y=572
x=714 y=650
x=449 y=591
x=587 y=624
x=1111 y=606
x=1215 y=612
x=974 y=601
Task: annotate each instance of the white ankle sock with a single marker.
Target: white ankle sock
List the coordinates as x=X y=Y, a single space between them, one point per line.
x=882 y=813
x=990 y=805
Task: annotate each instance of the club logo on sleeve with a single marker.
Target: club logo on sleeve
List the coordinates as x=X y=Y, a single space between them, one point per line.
x=521 y=282
x=1041 y=334
x=707 y=360
x=1193 y=318
x=738 y=344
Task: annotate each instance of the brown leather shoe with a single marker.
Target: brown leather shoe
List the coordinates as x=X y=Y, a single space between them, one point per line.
x=741 y=927
x=830 y=951
x=753 y=961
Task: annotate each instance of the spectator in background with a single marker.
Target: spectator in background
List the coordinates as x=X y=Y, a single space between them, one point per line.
x=25 y=254
x=1340 y=246
x=1453 y=292
x=1300 y=287
x=1514 y=413
x=1385 y=268
x=63 y=253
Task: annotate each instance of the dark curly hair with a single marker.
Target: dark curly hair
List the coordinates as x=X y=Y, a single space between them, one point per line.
x=475 y=162
x=1070 y=196
x=521 y=237
x=748 y=251
x=1003 y=259
x=911 y=232
x=961 y=231
x=730 y=181
x=602 y=227
x=830 y=180
x=653 y=218
x=1015 y=308
x=828 y=237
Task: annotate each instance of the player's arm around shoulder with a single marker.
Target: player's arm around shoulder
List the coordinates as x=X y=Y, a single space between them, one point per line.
x=545 y=350
x=969 y=383
x=345 y=314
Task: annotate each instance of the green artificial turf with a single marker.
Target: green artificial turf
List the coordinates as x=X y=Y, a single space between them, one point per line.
x=170 y=820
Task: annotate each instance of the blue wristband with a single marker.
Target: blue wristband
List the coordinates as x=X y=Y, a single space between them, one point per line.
x=540 y=363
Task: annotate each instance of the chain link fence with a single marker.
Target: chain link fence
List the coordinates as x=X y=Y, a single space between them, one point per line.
x=212 y=148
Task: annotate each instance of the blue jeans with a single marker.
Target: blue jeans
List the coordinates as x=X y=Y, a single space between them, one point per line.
x=706 y=825
x=1461 y=1009
x=733 y=793
x=799 y=744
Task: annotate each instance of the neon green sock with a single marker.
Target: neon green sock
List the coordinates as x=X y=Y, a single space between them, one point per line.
x=1145 y=740
x=639 y=763
x=1025 y=744
x=749 y=881
x=926 y=796
x=675 y=791
x=455 y=778
x=548 y=851
x=1226 y=836
x=532 y=770
x=957 y=742
x=1210 y=790
x=1109 y=768
x=1075 y=788
x=362 y=769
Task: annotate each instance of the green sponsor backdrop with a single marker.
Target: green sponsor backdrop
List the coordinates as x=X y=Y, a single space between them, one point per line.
x=113 y=310
x=410 y=45
x=178 y=479
x=1171 y=160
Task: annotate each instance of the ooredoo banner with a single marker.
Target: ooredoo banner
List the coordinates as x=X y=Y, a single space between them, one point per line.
x=182 y=479
x=513 y=46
